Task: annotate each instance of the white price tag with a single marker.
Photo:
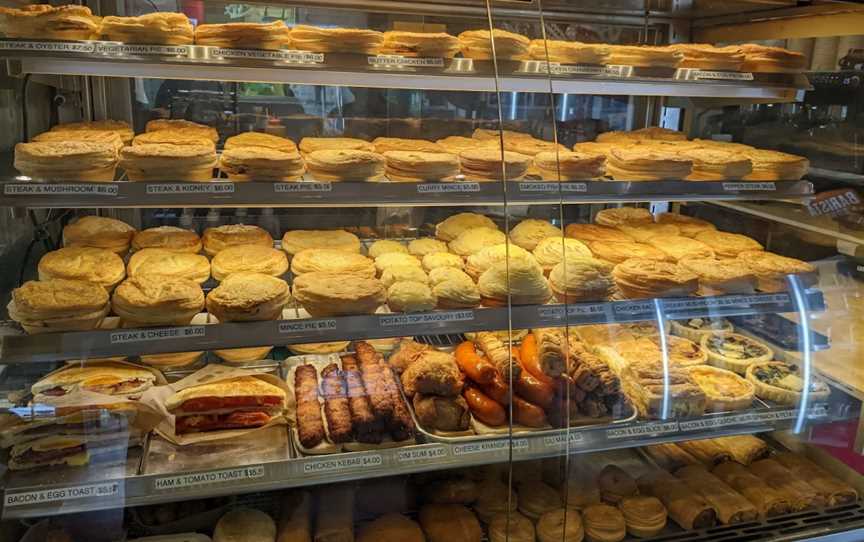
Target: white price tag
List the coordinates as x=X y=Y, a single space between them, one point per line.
x=281 y=188
x=652 y=428
x=721 y=421
x=550 y=311
x=94 y=491
x=557 y=311
x=618 y=71
x=168 y=483
x=421 y=455
x=397 y=61
x=190 y=188
x=333 y=464
x=558 y=441
x=727 y=76
x=121 y=49
x=297 y=57
x=447 y=188
x=553 y=187
x=633 y=307
x=489 y=446
x=425 y=318
x=299 y=326
x=156 y=334
x=40 y=189
x=48 y=46
x=750 y=187
x=576 y=69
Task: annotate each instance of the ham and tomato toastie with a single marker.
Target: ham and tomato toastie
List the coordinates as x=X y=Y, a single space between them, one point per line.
x=107 y=378
x=238 y=403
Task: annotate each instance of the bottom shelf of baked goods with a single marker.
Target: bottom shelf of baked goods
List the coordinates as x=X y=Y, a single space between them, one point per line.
x=753 y=488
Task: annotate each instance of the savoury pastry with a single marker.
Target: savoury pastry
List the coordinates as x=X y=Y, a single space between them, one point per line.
x=410 y=297
x=581 y=279
x=744 y=449
x=243 y=355
x=319 y=348
x=311 y=144
x=221 y=237
x=121 y=128
x=273 y=36
x=724 y=390
x=450 y=228
x=569 y=166
x=715 y=165
x=426 y=245
x=834 y=490
x=695 y=328
x=43 y=21
x=731 y=507
x=704 y=56
x=619 y=216
x=476 y=239
x=480 y=261
x=735 y=352
x=419 y=44
x=644 y=516
x=454 y=289
x=771 y=165
x=560 y=525
x=551 y=251
x=171 y=361
x=336 y=40
x=156 y=261
x=652 y=133
x=490 y=164
x=536 y=498
x=169 y=238
x=647 y=163
x=333 y=294
x=687 y=225
x=494 y=498
x=403 y=273
x=153 y=300
x=182 y=125
x=89 y=136
x=616 y=253
x=97 y=265
x=678 y=248
x=644 y=56
x=782 y=383
x=99 y=232
x=247 y=296
x=529 y=232
x=387 y=144
x=58 y=305
x=718 y=277
x=162 y=28
x=728 y=245
x=510 y=527
x=457 y=144
x=569 y=52
x=384 y=246
x=296 y=240
x=67 y=160
x=768 y=501
x=345 y=165
x=641 y=278
x=531 y=146
x=519 y=280
x=593 y=232
x=253 y=258
x=495 y=135
x=260 y=139
x=763 y=58
x=167 y=162
x=442 y=259
x=328 y=260
x=615 y=484
x=420 y=166
x=603 y=523
x=242 y=164
x=772 y=270
x=394 y=259
x=477 y=44
x=643 y=232
x=199 y=136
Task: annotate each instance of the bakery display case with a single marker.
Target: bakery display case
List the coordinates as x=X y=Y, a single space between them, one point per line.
x=419 y=271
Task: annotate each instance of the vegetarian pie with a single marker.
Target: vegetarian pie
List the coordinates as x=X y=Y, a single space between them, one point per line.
x=782 y=383
x=735 y=352
x=696 y=328
x=724 y=390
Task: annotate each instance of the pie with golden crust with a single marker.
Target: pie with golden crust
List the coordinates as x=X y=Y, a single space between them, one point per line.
x=735 y=352
x=728 y=245
x=678 y=247
x=724 y=390
x=718 y=277
x=335 y=294
x=617 y=216
x=642 y=278
x=782 y=383
x=588 y=233
x=771 y=270
x=689 y=226
x=619 y=252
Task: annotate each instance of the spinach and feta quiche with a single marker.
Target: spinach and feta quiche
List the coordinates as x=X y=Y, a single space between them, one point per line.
x=782 y=383
x=735 y=352
x=695 y=328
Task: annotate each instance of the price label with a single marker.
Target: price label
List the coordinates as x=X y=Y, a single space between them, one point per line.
x=190 y=188
x=157 y=334
x=48 y=46
x=553 y=187
x=299 y=326
x=749 y=187
x=281 y=188
x=557 y=311
x=168 y=483
x=726 y=301
x=489 y=446
x=652 y=428
x=558 y=441
x=724 y=421
x=425 y=318
x=337 y=464
x=40 y=189
x=726 y=76
x=121 y=49
x=633 y=307
x=618 y=71
x=94 y=491
x=447 y=188
x=397 y=61
x=295 y=57
x=421 y=455
x=576 y=69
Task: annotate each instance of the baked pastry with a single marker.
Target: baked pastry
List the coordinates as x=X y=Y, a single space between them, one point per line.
x=772 y=270
x=194 y=135
x=801 y=495
x=67 y=160
x=243 y=355
x=169 y=238
x=261 y=164
x=443 y=274
x=450 y=228
x=336 y=40
x=718 y=277
x=43 y=21
x=603 y=523
x=480 y=261
x=724 y=390
x=172 y=361
x=391 y=528
x=711 y=164
x=311 y=144
x=419 y=44
x=88 y=136
x=449 y=523
x=474 y=240
x=477 y=44
x=644 y=516
x=454 y=289
x=403 y=273
x=735 y=352
x=647 y=163
x=273 y=36
x=569 y=166
x=537 y=498
x=704 y=56
x=296 y=240
x=551 y=251
x=96 y=265
x=569 y=52
x=99 y=232
x=519 y=281
x=678 y=247
x=260 y=139
x=835 y=491
x=641 y=278
x=182 y=125
x=510 y=527
x=345 y=165
x=775 y=166
x=419 y=166
x=333 y=294
x=744 y=449
x=328 y=260
x=495 y=135
x=58 y=305
x=426 y=245
x=688 y=226
x=457 y=144
x=162 y=28
x=433 y=372
x=155 y=261
x=782 y=383
x=319 y=348
x=395 y=259
x=387 y=144
x=383 y=246
x=593 y=232
x=686 y=507
x=494 y=497
x=652 y=133
x=695 y=328
x=490 y=164
x=531 y=146
x=763 y=58
x=442 y=259
x=581 y=279
x=644 y=56
x=246 y=296
x=643 y=232
x=619 y=216
x=253 y=258
x=616 y=253
x=768 y=501
x=615 y=484
x=121 y=128
x=153 y=300
x=529 y=232
x=601 y=148
x=731 y=507
x=559 y=525
x=728 y=245
x=221 y=237
x=167 y=162
x=410 y=297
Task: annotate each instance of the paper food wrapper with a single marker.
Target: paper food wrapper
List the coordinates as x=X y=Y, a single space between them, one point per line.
x=157 y=396
x=160 y=378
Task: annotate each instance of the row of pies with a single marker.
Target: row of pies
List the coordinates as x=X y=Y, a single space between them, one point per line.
x=624 y=255
x=72 y=22
x=185 y=151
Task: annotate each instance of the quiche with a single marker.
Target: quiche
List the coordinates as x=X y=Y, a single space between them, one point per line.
x=695 y=328
x=735 y=352
x=782 y=383
x=724 y=390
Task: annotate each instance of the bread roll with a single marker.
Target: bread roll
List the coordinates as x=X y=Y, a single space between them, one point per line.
x=450 y=523
x=245 y=525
